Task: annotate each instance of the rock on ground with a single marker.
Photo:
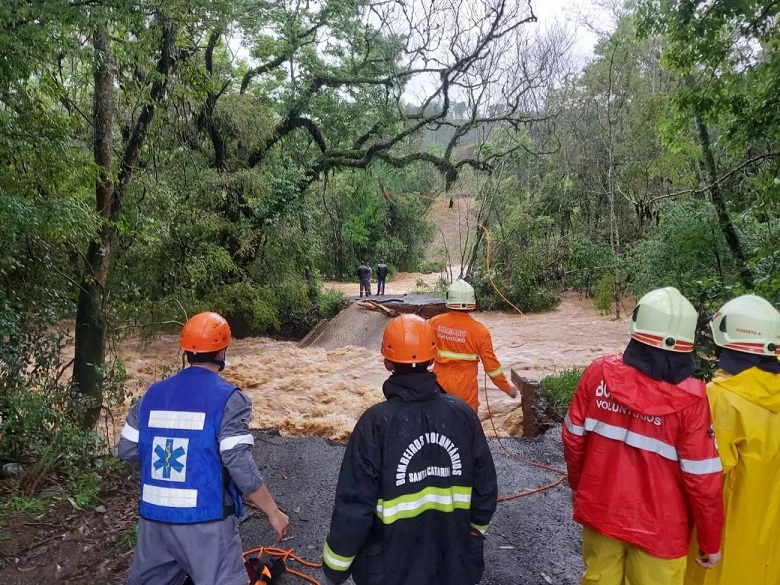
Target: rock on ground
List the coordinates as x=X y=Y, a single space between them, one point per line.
x=532 y=540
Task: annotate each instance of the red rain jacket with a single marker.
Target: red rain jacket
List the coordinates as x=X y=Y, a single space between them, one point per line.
x=642 y=458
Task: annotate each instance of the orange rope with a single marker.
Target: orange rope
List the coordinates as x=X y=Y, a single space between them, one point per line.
x=533 y=491
x=490 y=276
x=515 y=456
x=286 y=555
x=510 y=453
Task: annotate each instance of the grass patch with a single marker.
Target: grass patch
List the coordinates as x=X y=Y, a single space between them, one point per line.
x=559 y=388
x=24 y=504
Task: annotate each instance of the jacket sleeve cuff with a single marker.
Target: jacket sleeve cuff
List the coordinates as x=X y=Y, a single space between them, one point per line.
x=709 y=544
x=335 y=566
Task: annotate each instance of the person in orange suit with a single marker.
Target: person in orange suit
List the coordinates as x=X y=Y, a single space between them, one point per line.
x=463 y=342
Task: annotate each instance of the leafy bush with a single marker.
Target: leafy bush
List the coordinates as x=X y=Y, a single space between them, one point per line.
x=589 y=262
x=41 y=412
x=520 y=290
x=430 y=266
x=328 y=303
x=685 y=247
x=604 y=293
x=558 y=389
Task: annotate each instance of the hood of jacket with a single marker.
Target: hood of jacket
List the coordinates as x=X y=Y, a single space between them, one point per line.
x=643 y=394
x=411 y=387
x=668 y=366
x=754 y=384
x=736 y=362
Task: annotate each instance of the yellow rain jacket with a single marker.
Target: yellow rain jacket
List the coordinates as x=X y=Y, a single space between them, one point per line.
x=746 y=416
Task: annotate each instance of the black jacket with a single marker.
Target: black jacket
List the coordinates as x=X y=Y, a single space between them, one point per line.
x=364 y=272
x=381 y=270
x=416 y=491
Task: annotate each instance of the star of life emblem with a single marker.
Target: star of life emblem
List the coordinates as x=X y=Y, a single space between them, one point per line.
x=169 y=458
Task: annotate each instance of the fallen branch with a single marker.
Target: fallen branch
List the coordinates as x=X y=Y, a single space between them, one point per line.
x=374 y=306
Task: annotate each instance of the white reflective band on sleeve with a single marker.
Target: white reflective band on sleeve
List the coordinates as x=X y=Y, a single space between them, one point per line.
x=701 y=466
x=228 y=443
x=177 y=419
x=169 y=497
x=482 y=529
x=130 y=433
x=495 y=373
x=572 y=428
x=334 y=561
x=631 y=438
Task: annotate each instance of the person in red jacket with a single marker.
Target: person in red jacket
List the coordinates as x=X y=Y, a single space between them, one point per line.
x=641 y=454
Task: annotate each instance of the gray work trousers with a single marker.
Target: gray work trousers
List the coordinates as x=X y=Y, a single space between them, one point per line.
x=209 y=553
x=365 y=285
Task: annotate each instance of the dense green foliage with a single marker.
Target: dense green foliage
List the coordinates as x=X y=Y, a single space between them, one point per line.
x=161 y=157
x=663 y=166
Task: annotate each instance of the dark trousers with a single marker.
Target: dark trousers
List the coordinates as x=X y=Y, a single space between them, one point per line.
x=365 y=285
x=380 y=285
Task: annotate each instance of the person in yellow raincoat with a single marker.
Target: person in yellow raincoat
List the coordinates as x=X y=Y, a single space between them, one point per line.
x=744 y=398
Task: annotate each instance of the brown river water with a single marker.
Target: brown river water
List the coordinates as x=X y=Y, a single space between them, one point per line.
x=321 y=393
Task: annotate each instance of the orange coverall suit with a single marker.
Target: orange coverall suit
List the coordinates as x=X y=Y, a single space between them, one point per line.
x=462 y=341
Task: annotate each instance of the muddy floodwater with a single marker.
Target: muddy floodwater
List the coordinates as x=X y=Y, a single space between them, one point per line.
x=318 y=392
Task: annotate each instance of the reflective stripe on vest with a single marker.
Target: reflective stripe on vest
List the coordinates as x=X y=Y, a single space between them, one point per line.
x=174 y=419
x=169 y=497
x=464 y=357
x=431 y=498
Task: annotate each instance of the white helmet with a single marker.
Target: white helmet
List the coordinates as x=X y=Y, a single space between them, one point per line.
x=664 y=318
x=461 y=297
x=749 y=324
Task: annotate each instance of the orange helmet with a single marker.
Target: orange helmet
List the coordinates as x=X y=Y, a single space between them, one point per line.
x=205 y=333
x=409 y=339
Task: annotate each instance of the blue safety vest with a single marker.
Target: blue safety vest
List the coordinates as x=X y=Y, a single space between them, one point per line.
x=183 y=480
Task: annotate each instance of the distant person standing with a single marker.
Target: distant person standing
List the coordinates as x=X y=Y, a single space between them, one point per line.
x=364 y=275
x=381 y=277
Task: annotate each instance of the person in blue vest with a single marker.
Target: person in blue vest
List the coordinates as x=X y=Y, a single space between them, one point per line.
x=190 y=435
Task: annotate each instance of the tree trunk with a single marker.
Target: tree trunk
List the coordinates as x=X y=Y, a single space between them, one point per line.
x=90 y=323
x=90 y=338
x=716 y=196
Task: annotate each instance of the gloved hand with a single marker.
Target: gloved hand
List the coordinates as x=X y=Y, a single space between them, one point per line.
x=327 y=581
